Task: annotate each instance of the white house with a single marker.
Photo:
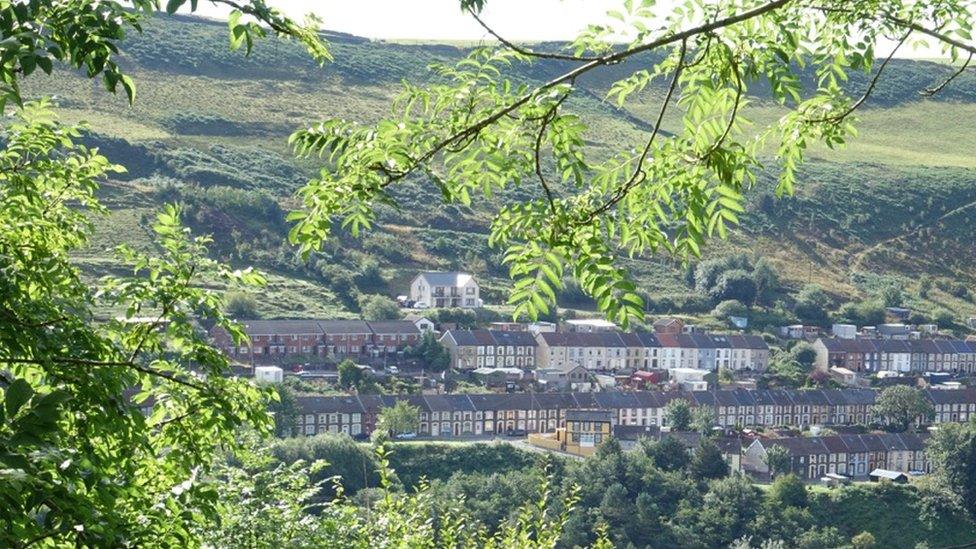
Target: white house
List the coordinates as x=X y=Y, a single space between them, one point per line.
x=445 y=289
x=422 y=323
x=601 y=351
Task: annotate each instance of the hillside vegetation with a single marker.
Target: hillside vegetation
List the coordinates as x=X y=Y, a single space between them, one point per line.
x=209 y=130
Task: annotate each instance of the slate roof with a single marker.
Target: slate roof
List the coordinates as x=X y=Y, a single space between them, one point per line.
x=589 y=415
x=916 y=346
x=333 y=327
x=468 y=338
x=281 y=327
x=583 y=339
x=850 y=444
x=748 y=342
x=393 y=327
x=517 y=339
x=453 y=278
x=951 y=396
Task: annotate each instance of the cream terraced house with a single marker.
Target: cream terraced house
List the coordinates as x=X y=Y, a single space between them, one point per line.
x=445 y=290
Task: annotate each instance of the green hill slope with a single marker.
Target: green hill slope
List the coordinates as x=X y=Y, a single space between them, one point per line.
x=209 y=129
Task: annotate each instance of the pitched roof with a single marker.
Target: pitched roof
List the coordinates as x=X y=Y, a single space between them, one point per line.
x=589 y=415
x=331 y=327
x=749 y=342
x=393 y=327
x=467 y=338
x=582 y=339
x=443 y=278
x=518 y=339
x=281 y=327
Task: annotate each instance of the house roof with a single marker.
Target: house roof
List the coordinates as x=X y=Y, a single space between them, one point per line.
x=850 y=444
x=444 y=278
x=281 y=327
x=393 y=327
x=885 y=473
x=605 y=416
x=467 y=338
x=331 y=327
x=517 y=339
x=917 y=346
x=951 y=396
x=634 y=432
x=582 y=339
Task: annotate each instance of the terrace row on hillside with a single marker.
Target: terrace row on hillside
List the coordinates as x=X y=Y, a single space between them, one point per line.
x=473 y=415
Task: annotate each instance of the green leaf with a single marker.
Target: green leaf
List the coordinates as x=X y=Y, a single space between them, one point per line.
x=16 y=395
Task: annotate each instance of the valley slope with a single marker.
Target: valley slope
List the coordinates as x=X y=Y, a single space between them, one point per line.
x=209 y=129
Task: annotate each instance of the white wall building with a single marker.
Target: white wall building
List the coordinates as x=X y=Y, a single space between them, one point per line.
x=269 y=374
x=445 y=289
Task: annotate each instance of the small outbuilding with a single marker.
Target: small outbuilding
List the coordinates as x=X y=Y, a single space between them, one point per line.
x=897 y=477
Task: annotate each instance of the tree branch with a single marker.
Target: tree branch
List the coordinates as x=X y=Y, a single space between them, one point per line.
x=867 y=93
x=88 y=362
x=929 y=32
x=524 y=51
x=638 y=176
x=735 y=108
x=608 y=59
x=546 y=120
x=929 y=92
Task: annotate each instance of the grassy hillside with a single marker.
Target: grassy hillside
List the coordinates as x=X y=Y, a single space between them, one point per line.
x=209 y=127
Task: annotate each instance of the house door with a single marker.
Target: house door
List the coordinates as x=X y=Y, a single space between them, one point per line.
x=457 y=429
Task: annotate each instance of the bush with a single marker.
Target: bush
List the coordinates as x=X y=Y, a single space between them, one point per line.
x=730 y=307
x=735 y=284
x=811 y=305
x=440 y=461
x=379 y=307
x=787 y=491
x=356 y=464
x=241 y=306
x=865 y=313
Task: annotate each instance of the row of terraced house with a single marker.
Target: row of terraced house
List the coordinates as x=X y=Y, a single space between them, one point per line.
x=273 y=340
x=916 y=355
x=604 y=351
x=473 y=415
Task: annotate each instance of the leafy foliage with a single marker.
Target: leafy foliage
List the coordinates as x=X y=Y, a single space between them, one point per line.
x=430 y=352
x=901 y=406
x=76 y=447
x=400 y=418
x=678 y=415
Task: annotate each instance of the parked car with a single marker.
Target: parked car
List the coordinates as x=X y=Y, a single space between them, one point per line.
x=517 y=433
x=393 y=370
x=421 y=306
x=406 y=436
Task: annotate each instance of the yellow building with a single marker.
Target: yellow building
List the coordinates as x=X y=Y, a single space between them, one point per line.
x=585 y=431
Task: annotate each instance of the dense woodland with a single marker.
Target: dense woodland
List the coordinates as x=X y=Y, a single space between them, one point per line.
x=658 y=495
